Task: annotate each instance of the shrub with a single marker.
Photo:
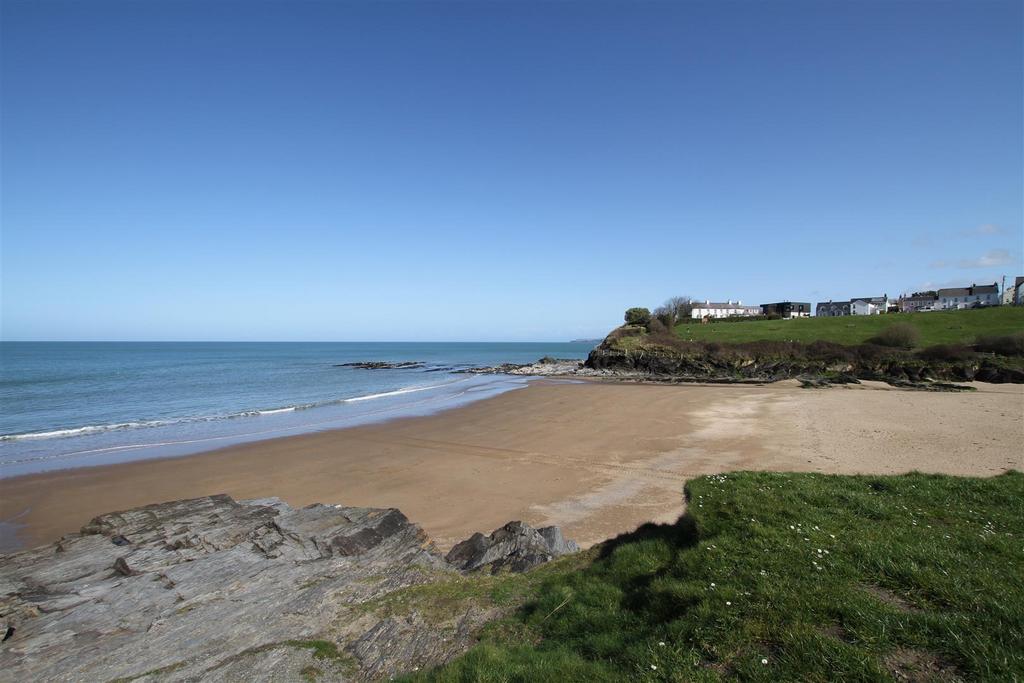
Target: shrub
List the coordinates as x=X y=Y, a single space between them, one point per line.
x=656 y=326
x=946 y=352
x=898 y=335
x=1005 y=345
x=638 y=316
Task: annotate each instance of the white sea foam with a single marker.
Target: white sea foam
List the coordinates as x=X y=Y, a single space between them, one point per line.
x=396 y=392
x=79 y=431
x=275 y=411
x=209 y=441
x=96 y=429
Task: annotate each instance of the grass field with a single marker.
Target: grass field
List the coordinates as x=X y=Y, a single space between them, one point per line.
x=940 y=327
x=777 y=577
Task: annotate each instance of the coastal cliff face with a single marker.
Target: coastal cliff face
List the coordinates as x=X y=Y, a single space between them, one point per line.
x=773 y=361
x=219 y=590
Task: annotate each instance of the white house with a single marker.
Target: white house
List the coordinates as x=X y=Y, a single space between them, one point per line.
x=968 y=297
x=729 y=309
x=866 y=305
x=863 y=307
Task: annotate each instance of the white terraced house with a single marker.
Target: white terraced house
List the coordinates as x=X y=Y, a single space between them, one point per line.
x=974 y=296
x=730 y=309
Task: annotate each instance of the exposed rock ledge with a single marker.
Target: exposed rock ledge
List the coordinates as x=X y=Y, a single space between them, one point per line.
x=219 y=590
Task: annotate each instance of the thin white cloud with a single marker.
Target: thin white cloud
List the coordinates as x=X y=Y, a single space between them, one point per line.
x=984 y=229
x=991 y=259
x=927 y=240
x=994 y=257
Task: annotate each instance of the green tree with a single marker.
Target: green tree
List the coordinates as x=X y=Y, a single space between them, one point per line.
x=638 y=316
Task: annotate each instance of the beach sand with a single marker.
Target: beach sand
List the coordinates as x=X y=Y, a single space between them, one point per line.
x=597 y=459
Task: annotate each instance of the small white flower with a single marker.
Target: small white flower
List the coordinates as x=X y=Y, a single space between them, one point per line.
x=661 y=643
x=712 y=584
x=764 y=661
x=729 y=604
x=654 y=667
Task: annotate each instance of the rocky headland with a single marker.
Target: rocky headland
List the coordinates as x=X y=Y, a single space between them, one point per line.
x=215 y=589
x=629 y=355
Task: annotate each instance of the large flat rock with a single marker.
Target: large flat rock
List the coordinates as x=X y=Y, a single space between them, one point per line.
x=217 y=589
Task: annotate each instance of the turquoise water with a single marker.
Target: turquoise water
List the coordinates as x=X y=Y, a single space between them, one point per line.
x=71 y=404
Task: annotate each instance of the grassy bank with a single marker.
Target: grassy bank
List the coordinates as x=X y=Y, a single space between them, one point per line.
x=940 y=327
x=782 y=577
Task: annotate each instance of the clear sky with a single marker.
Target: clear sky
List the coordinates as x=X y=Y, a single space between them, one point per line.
x=494 y=170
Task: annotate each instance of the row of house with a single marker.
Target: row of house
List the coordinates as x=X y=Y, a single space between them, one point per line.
x=865 y=305
x=733 y=309
x=975 y=296
x=951 y=298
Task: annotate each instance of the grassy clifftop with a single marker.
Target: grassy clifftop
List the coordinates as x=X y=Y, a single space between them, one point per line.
x=940 y=327
x=784 y=577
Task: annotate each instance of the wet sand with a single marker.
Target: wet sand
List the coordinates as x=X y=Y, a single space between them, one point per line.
x=597 y=459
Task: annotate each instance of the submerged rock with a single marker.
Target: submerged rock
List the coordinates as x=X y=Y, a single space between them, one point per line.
x=514 y=547
x=223 y=590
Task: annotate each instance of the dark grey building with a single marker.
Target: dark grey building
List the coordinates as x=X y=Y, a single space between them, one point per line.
x=787 y=309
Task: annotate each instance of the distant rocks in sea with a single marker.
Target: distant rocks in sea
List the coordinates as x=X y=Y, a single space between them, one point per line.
x=382 y=365
x=215 y=589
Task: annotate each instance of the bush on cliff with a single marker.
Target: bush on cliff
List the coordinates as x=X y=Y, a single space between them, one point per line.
x=1005 y=345
x=898 y=335
x=951 y=352
x=638 y=316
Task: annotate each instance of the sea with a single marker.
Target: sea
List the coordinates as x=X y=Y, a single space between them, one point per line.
x=80 y=404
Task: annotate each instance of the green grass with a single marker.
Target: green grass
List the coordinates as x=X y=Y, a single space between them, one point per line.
x=939 y=327
x=776 y=577
x=450 y=596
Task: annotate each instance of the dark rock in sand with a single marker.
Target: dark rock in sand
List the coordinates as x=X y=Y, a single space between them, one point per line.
x=514 y=547
x=217 y=590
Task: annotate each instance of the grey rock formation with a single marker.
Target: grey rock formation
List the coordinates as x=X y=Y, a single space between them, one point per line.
x=545 y=367
x=383 y=365
x=514 y=547
x=219 y=590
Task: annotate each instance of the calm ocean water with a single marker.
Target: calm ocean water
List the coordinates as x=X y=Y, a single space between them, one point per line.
x=78 y=404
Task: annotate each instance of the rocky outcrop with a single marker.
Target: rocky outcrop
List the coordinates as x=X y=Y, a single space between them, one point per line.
x=514 y=547
x=219 y=590
x=382 y=365
x=545 y=367
x=737 y=364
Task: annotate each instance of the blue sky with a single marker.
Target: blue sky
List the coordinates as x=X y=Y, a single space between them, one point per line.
x=495 y=170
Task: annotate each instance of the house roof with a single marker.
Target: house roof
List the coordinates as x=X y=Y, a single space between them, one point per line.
x=713 y=305
x=967 y=291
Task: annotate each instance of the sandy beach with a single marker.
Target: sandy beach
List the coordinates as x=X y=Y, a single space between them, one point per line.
x=597 y=459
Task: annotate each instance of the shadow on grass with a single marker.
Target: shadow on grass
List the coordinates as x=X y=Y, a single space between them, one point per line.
x=679 y=535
